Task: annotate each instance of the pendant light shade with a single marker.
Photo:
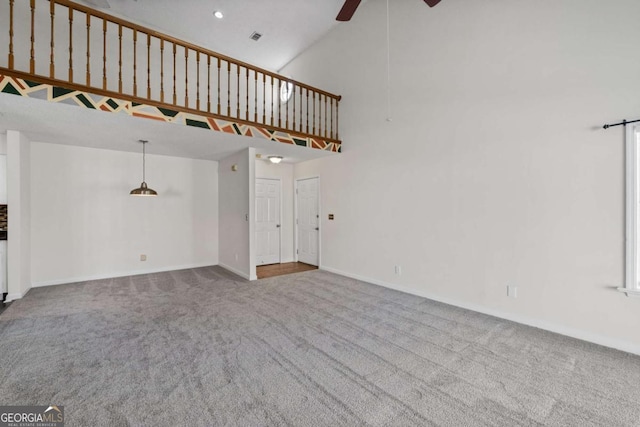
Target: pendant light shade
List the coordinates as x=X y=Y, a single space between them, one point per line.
x=143 y=190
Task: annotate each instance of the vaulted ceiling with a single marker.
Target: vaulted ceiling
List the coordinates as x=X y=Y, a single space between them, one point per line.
x=287 y=26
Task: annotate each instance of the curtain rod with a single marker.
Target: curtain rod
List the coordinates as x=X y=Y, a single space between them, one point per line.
x=623 y=123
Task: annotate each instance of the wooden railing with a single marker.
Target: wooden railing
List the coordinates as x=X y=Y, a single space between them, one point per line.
x=70 y=45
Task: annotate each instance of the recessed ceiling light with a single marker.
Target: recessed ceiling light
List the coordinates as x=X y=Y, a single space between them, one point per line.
x=255 y=36
x=218 y=14
x=275 y=159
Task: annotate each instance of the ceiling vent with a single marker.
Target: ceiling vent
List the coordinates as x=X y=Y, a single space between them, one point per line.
x=255 y=36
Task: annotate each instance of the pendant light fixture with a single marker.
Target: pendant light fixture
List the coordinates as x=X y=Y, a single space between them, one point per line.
x=143 y=190
x=275 y=159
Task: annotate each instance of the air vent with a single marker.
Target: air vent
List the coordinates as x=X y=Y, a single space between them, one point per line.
x=255 y=36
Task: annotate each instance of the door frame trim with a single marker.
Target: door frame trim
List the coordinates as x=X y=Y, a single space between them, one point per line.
x=279 y=219
x=295 y=213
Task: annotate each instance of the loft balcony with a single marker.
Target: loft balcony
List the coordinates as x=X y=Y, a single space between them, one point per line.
x=62 y=51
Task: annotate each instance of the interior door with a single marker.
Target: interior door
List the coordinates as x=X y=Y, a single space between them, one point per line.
x=267 y=221
x=308 y=220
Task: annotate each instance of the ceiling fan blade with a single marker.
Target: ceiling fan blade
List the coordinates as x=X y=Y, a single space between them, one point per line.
x=432 y=3
x=103 y=4
x=348 y=9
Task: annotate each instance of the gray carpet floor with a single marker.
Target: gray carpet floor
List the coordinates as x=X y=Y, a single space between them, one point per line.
x=203 y=347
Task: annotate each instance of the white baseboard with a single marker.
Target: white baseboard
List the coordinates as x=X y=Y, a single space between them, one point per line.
x=116 y=274
x=16 y=295
x=617 y=344
x=235 y=271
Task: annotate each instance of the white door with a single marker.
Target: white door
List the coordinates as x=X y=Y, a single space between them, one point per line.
x=267 y=221
x=308 y=220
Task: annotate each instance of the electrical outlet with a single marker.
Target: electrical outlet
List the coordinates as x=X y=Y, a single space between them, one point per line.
x=143 y=257
x=398 y=270
x=512 y=291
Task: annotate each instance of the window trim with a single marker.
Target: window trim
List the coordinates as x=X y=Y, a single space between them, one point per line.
x=632 y=198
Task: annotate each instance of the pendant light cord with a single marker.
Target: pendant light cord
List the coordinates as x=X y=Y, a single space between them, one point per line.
x=144 y=166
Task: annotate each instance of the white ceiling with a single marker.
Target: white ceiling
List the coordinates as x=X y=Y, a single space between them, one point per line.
x=287 y=26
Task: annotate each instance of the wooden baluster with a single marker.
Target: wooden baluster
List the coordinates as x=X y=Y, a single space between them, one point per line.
x=198 y=80
x=314 y=113
x=148 y=66
x=208 y=83
x=294 y=107
x=331 y=117
x=319 y=129
x=286 y=104
x=272 y=109
x=120 y=58
x=325 y=116
x=264 y=98
x=279 y=103
x=135 y=62
x=88 y=49
x=338 y=118
x=52 y=67
x=161 y=70
x=104 y=54
x=300 y=112
x=11 y=58
x=175 y=95
x=219 y=86
x=246 y=114
x=70 y=45
x=238 y=92
x=228 y=89
x=255 y=96
x=307 y=92
x=32 y=61
x=186 y=76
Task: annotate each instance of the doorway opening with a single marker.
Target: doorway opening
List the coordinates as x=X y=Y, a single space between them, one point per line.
x=265 y=271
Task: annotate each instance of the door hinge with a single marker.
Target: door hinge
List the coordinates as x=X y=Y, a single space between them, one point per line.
x=297 y=251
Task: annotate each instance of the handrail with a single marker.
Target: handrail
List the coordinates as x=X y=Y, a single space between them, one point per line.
x=170 y=39
x=224 y=87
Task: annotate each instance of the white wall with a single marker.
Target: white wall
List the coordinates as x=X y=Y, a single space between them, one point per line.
x=283 y=172
x=85 y=225
x=237 y=193
x=3 y=178
x=19 y=224
x=494 y=170
x=3 y=143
